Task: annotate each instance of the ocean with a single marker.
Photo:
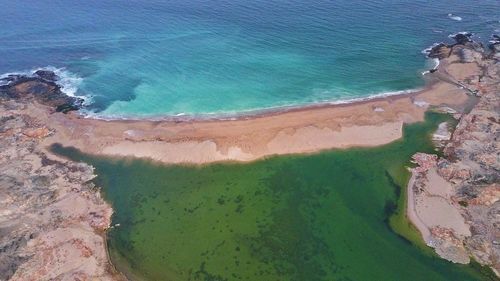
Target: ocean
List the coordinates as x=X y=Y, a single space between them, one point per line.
x=324 y=216
x=144 y=59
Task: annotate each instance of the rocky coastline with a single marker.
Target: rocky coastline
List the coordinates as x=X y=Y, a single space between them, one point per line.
x=52 y=217
x=53 y=220
x=454 y=198
x=41 y=87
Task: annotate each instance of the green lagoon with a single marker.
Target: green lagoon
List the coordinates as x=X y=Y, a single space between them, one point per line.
x=335 y=215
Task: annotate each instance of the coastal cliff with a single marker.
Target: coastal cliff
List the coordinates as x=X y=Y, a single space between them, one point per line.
x=454 y=199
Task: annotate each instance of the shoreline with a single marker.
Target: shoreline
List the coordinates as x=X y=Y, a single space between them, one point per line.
x=411 y=213
x=452 y=194
x=431 y=53
x=53 y=217
x=256 y=113
x=428 y=52
x=232 y=116
x=218 y=116
x=363 y=123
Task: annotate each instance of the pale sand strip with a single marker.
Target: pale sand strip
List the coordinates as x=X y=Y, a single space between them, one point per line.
x=411 y=211
x=306 y=139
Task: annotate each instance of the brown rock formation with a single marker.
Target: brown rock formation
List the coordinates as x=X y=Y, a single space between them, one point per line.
x=471 y=165
x=40 y=87
x=52 y=220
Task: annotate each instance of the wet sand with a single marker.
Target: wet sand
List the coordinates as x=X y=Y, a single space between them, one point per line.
x=300 y=130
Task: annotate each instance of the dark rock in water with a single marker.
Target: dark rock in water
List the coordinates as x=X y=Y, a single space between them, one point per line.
x=47 y=75
x=495 y=39
x=40 y=89
x=495 y=43
x=10 y=78
x=462 y=38
x=439 y=51
x=443 y=50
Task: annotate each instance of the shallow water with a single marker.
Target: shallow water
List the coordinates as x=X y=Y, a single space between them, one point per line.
x=314 y=217
x=148 y=58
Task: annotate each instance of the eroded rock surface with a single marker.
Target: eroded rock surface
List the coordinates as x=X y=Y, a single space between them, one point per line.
x=470 y=166
x=41 y=86
x=52 y=219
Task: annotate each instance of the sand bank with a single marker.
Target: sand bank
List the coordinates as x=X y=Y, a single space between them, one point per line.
x=301 y=130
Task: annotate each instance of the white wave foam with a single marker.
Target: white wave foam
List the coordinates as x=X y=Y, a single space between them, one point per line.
x=234 y=115
x=427 y=50
x=436 y=63
x=5 y=75
x=454 y=17
x=374 y=96
x=68 y=81
x=435 y=67
x=494 y=40
x=466 y=33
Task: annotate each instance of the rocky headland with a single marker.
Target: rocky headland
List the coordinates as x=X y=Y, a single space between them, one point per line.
x=454 y=198
x=53 y=220
x=41 y=87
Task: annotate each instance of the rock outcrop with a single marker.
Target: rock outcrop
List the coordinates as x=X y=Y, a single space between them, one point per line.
x=469 y=168
x=52 y=220
x=41 y=86
x=495 y=46
x=462 y=39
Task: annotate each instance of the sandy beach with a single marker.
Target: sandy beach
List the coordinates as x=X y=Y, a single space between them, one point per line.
x=300 y=130
x=33 y=113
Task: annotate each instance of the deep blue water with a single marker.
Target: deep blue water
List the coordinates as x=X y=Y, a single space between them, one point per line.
x=145 y=58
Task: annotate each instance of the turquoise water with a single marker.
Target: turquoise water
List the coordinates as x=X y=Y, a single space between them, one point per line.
x=327 y=216
x=147 y=58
